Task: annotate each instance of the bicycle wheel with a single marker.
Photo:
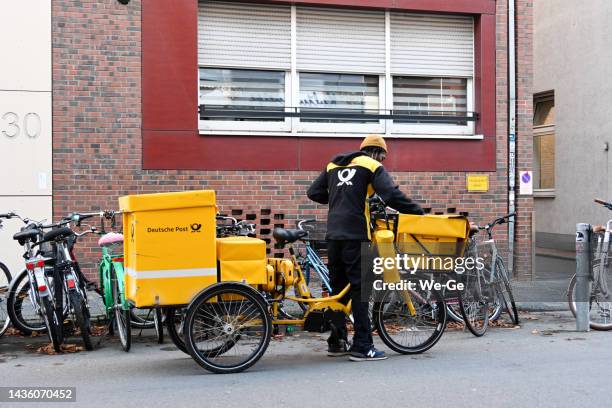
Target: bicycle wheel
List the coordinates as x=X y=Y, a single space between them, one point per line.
x=23 y=310
x=81 y=317
x=5 y=280
x=452 y=309
x=54 y=327
x=227 y=316
x=174 y=327
x=403 y=331
x=474 y=301
x=121 y=315
x=142 y=318
x=504 y=289
x=158 y=319
x=600 y=307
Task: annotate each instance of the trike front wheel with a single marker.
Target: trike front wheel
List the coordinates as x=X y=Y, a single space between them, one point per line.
x=227 y=317
x=410 y=330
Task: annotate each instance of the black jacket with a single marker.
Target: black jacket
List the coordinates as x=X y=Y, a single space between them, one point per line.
x=346 y=184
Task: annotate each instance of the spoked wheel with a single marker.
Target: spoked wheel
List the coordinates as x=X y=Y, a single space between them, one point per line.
x=504 y=291
x=158 y=319
x=227 y=328
x=22 y=308
x=142 y=318
x=175 y=318
x=600 y=307
x=409 y=331
x=121 y=315
x=81 y=315
x=53 y=325
x=5 y=279
x=474 y=301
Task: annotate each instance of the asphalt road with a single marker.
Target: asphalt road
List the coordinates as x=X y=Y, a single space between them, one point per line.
x=542 y=364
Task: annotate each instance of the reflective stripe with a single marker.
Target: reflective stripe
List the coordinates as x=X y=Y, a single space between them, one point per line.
x=171 y=273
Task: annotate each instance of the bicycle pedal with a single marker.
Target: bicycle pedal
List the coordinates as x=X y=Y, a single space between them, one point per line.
x=91 y=286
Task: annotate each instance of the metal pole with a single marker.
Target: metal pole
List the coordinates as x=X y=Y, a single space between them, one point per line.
x=511 y=131
x=583 y=275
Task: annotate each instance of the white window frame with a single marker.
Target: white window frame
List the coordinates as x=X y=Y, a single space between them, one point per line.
x=215 y=126
x=294 y=127
x=436 y=128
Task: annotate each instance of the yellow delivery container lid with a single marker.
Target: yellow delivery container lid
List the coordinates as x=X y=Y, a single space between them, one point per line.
x=447 y=225
x=162 y=201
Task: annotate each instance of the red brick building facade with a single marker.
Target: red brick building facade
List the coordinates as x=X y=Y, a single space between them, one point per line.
x=125 y=120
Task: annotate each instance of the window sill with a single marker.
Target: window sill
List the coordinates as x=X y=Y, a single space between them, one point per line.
x=544 y=193
x=328 y=134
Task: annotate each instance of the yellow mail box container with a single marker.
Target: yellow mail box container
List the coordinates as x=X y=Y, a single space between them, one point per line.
x=242 y=259
x=169 y=246
x=432 y=234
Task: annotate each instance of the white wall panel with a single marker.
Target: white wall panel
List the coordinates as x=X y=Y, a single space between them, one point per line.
x=25 y=143
x=25 y=45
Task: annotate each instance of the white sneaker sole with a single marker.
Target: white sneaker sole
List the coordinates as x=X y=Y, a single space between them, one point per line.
x=353 y=358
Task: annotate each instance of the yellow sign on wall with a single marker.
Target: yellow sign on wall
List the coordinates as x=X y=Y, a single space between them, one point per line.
x=478 y=182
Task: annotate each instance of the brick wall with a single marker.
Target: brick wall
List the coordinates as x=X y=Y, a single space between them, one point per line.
x=97 y=132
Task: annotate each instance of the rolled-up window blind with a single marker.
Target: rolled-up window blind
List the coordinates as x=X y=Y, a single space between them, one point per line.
x=340 y=40
x=233 y=34
x=432 y=45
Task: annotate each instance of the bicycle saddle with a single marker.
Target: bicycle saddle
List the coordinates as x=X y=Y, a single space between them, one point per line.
x=57 y=233
x=28 y=234
x=282 y=235
x=110 y=238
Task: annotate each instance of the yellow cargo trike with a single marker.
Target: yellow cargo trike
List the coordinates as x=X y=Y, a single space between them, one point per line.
x=226 y=296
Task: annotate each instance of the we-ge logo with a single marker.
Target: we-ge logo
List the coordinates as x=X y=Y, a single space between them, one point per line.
x=345 y=177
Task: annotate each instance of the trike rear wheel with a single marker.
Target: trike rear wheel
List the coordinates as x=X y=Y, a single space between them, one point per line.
x=405 y=331
x=227 y=317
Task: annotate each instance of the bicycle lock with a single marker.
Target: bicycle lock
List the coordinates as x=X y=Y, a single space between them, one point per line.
x=584 y=234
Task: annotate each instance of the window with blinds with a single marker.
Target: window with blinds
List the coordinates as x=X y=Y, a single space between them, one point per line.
x=298 y=69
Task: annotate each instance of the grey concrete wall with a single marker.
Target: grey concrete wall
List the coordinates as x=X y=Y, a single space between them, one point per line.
x=573 y=57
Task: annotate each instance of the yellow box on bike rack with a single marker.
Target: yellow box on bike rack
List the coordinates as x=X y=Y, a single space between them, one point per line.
x=434 y=238
x=242 y=259
x=169 y=246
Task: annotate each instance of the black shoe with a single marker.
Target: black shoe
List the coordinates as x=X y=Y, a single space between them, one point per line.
x=370 y=355
x=338 y=349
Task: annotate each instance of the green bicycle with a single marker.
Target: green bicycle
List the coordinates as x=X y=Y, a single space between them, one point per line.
x=112 y=277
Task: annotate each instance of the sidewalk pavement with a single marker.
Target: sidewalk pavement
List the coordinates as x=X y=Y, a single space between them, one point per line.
x=544 y=363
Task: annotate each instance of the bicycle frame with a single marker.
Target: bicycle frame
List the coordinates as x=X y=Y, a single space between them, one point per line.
x=108 y=262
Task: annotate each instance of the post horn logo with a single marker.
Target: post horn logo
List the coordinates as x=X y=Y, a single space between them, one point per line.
x=196 y=227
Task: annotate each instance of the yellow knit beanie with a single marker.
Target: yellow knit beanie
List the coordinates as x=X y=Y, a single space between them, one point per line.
x=374 y=141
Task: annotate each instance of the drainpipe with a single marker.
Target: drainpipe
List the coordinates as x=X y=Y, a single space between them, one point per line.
x=511 y=131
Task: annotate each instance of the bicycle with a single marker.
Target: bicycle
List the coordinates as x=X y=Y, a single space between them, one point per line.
x=111 y=276
x=600 y=306
x=5 y=279
x=484 y=286
x=45 y=293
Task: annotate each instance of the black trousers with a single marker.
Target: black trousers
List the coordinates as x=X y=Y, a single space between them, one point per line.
x=344 y=264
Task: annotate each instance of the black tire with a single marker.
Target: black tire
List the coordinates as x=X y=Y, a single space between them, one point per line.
x=174 y=327
x=19 y=307
x=504 y=290
x=121 y=316
x=54 y=327
x=142 y=318
x=207 y=310
x=81 y=317
x=5 y=280
x=158 y=319
x=474 y=302
x=391 y=311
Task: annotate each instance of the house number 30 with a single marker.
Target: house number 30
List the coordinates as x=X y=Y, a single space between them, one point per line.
x=12 y=126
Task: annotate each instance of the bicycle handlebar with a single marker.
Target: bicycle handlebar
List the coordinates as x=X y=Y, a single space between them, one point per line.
x=604 y=203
